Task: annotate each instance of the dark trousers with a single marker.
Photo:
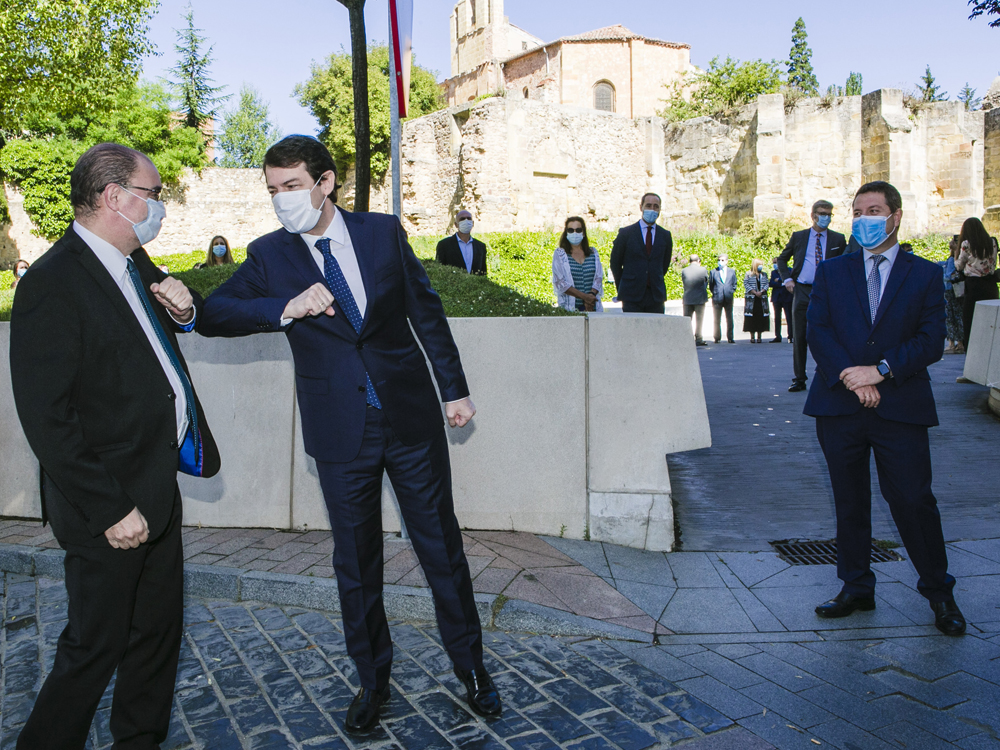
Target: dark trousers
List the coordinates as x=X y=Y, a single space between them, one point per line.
x=903 y=462
x=718 y=308
x=698 y=313
x=648 y=304
x=800 y=303
x=976 y=289
x=785 y=307
x=126 y=613
x=421 y=477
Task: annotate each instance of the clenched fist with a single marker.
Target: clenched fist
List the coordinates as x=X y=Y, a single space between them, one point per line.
x=174 y=296
x=315 y=300
x=130 y=532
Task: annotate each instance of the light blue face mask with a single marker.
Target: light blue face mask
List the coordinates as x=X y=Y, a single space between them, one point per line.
x=219 y=251
x=649 y=216
x=575 y=238
x=823 y=221
x=147 y=229
x=870 y=231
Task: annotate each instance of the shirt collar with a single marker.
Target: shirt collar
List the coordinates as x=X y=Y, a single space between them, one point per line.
x=463 y=241
x=335 y=232
x=889 y=255
x=109 y=255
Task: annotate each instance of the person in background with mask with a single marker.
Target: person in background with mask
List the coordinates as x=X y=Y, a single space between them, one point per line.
x=977 y=259
x=576 y=267
x=722 y=282
x=756 y=313
x=640 y=258
x=954 y=330
x=781 y=299
x=219 y=253
x=695 y=280
x=462 y=250
x=20 y=268
x=348 y=292
x=876 y=323
x=106 y=402
x=807 y=249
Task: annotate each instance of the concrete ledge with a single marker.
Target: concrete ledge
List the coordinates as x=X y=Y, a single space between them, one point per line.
x=212 y=582
x=17 y=559
x=412 y=603
x=50 y=563
x=295 y=591
x=534 y=618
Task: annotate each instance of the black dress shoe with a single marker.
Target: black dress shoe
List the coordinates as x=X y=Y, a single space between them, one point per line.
x=480 y=691
x=732 y=341
x=791 y=340
x=776 y=340
x=948 y=618
x=796 y=386
x=701 y=343
x=362 y=715
x=843 y=604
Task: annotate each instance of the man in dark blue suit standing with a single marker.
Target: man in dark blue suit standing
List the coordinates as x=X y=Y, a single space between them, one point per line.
x=876 y=322
x=640 y=258
x=346 y=289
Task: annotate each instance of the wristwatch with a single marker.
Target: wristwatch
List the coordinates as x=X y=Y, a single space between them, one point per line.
x=884 y=370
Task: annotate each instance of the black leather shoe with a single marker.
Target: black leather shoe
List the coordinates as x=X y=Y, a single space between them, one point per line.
x=362 y=715
x=701 y=343
x=948 y=618
x=796 y=386
x=776 y=340
x=843 y=604
x=481 y=693
x=732 y=341
x=791 y=340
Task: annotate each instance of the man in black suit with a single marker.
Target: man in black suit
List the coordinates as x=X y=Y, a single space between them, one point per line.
x=695 y=279
x=781 y=300
x=722 y=282
x=807 y=249
x=106 y=402
x=640 y=258
x=462 y=250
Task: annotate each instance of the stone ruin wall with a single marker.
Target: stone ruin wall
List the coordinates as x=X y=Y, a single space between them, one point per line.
x=526 y=165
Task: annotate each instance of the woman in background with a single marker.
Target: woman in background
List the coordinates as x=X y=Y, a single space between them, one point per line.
x=952 y=304
x=219 y=253
x=978 y=261
x=756 y=313
x=20 y=268
x=577 y=278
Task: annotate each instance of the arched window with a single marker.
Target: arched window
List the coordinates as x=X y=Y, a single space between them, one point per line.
x=604 y=96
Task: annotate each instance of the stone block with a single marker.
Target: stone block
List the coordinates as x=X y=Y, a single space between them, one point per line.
x=15 y=558
x=212 y=582
x=288 y=590
x=18 y=466
x=643 y=521
x=50 y=563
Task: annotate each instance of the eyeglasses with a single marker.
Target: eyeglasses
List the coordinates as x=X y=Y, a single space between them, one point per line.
x=155 y=192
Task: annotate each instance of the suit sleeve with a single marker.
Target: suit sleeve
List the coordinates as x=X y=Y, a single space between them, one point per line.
x=668 y=252
x=783 y=259
x=241 y=306
x=46 y=350
x=617 y=262
x=927 y=346
x=439 y=252
x=426 y=315
x=831 y=358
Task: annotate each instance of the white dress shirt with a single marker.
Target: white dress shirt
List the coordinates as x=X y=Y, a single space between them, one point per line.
x=884 y=267
x=342 y=249
x=112 y=259
x=807 y=275
x=466 y=248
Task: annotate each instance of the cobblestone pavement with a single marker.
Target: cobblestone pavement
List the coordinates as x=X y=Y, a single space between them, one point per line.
x=265 y=677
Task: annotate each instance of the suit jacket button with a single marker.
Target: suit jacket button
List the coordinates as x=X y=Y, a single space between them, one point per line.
x=173 y=445
x=361 y=389
x=870 y=343
x=360 y=346
x=172 y=396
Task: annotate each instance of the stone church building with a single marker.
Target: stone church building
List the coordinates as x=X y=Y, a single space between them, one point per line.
x=611 y=69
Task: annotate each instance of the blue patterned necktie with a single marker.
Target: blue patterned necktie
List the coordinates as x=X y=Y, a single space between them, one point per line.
x=875 y=285
x=342 y=293
x=190 y=456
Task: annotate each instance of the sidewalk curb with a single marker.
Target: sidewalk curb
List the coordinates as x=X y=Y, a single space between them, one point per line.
x=401 y=602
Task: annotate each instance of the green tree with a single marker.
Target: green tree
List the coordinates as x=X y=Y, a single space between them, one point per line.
x=986 y=7
x=247 y=131
x=192 y=86
x=65 y=59
x=968 y=97
x=928 y=89
x=854 y=86
x=800 y=69
x=329 y=95
x=723 y=86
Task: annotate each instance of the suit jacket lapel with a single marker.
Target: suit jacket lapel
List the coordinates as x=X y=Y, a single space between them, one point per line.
x=361 y=238
x=900 y=269
x=296 y=250
x=861 y=284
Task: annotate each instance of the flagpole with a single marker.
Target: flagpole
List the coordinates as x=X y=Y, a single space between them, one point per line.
x=395 y=127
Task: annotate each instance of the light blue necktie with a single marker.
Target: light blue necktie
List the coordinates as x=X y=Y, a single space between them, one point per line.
x=875 y=285
x=342 y=293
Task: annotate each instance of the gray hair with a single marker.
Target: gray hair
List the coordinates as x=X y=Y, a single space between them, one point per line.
x=101 y=165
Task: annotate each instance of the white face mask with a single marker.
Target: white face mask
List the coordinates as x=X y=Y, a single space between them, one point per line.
x=575 y=238
x=295 y=210
x=147 y=229
x=465 y=226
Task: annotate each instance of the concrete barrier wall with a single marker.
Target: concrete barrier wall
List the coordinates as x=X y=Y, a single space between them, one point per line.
x=575 y=418
x=982 y=363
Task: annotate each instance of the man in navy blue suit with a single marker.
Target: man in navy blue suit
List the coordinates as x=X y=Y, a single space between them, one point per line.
x=640 y=258
x=876 y=322
x=346 y=289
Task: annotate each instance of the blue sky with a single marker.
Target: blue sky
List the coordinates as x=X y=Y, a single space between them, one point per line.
x=271 y=45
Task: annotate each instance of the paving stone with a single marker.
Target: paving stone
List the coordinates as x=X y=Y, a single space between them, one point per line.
x=474 y=737
x=629 y=564
x=926 y=666
x=979 y=742
x=932 y=693
x=218 y=735
x=674 y=730
x=442 y=710
x=785 y=703
x=621 y=730
x=907 y=735
x=586 y=672
x=517 y=691
x=556 y=722
x=235 y=682
x=780 y=732
x=845 y=734
x=694 y=570
x=695 y=712
x=574 y=697
x=633 y=704
x=868 y=716
x=646 y=681
x=271 y=739
x=723 y=669
x=536 y=741
x=828 y=670
x=253 y=713
x=944 y=724
x=591 y=743
x=697 y=610
x=753 y=567
x=721 y=697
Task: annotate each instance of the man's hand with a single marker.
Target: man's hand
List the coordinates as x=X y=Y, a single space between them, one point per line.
x=790 y=284
x=174 y=296
x=129 y=532
x=460 y=412
x=315 y=300
x=860 y=376
x=869 y=396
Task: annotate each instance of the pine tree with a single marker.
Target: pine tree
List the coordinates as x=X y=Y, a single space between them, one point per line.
x=968 y=97
x=800 y=70
x=247 y=131
x=199 y=100
x=854 y=86
x=929 y=90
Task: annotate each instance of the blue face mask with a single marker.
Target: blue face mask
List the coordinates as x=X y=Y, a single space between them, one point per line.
x=219 y=251
x=649 y=216
x=870 y=231
x=823 y=221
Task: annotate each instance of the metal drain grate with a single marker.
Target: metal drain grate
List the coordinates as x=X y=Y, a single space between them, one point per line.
x=823 y=553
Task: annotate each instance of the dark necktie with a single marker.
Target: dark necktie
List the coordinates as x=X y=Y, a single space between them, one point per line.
x=819 y=248
x=649 y=241
x=875 y=285
x=342 y=293
x=161 y=336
